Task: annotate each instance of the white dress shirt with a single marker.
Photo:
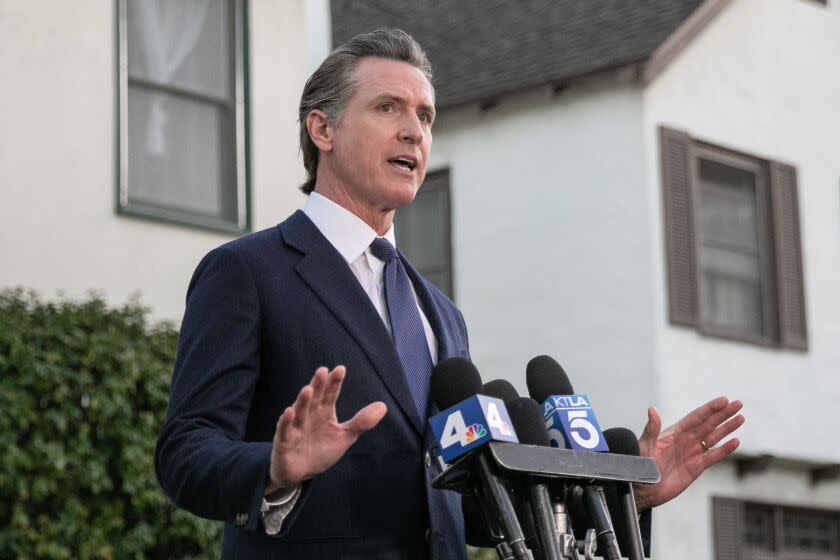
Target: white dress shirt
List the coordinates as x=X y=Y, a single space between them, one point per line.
x=351 y=237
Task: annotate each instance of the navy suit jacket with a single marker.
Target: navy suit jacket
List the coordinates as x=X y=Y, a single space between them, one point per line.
x=263 y=312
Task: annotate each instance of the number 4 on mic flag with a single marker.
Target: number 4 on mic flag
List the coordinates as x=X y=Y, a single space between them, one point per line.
x=471 y=423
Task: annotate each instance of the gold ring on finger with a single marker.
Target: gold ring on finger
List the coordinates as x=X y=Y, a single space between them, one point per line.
x=704 y=446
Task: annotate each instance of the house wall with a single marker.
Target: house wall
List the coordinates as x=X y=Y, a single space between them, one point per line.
x=550 y=238
x=58 y=227
x=757 y=79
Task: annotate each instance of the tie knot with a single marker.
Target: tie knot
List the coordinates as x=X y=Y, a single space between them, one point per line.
x=383 y=250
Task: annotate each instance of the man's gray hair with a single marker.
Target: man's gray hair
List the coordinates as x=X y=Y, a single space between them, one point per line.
x=332 y=84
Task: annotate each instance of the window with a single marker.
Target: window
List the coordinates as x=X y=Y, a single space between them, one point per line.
x=182 y=154
x=424 y=233
x=733 y=243
x=753 y=531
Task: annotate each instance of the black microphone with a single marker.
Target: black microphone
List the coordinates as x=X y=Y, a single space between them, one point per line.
x=623 y=442
x=526 y=416
x=504 y=390
x=454 y=380
x=480 y=530
x=545 y=377
x=501 y=389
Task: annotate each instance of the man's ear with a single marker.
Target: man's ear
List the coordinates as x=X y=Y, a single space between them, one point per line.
x=320 y=131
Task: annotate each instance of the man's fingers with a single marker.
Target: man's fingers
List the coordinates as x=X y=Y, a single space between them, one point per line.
x=719 y=433
x=718 y=453
x=301 y=406
x=366 y=419
x=654 y=425
x=319 y=384
x=333 y=387
x=701 y=414
x=284 y=426
x=719 y=417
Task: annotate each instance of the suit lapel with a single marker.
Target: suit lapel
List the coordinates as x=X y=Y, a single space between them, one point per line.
x=327 y=274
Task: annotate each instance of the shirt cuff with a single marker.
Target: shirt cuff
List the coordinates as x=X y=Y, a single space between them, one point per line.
x=274 y=512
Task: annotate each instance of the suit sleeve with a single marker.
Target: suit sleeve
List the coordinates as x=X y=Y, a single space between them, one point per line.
x=201 y=458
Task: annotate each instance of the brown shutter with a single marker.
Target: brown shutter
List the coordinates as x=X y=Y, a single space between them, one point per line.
x=788 y=245
x=679 y=226
x=727 y=514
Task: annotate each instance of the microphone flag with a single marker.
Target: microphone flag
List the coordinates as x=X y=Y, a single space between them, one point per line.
x=571 y=423
x=470 y=424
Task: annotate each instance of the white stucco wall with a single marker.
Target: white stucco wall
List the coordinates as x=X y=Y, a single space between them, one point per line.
x=683 y=528
x=550 y=239
x=772 y=96
x=758 y=79
x=58 y=227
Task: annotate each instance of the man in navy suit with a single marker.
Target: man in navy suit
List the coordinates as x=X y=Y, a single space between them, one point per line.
x=252 y=437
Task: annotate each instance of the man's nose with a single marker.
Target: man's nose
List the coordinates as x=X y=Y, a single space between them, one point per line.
x=412 y=131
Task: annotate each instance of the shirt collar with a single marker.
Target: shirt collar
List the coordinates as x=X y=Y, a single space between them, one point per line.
x=344 y=230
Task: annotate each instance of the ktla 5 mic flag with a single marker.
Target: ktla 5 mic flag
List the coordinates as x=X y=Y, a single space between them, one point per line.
x=571 y=423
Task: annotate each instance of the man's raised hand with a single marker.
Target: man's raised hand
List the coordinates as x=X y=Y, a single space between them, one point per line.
x=679 y=451
x=308 y=439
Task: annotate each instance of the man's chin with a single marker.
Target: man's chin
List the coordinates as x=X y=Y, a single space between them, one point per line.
x=402 y=196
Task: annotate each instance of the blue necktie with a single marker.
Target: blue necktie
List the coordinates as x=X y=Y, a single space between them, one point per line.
x=406 y=325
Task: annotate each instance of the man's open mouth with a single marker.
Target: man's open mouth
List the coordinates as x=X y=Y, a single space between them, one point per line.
x=406 y=163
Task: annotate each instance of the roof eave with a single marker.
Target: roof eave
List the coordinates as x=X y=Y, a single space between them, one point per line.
x=682 y=36
x=623 y=73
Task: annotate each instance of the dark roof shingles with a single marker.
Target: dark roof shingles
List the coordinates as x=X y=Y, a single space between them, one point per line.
x=484 y=48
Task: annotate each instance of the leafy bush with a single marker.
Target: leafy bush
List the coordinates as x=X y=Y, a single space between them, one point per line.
x=83 y=393
x=481 y=553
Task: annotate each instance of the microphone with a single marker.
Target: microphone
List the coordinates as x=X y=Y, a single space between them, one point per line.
x=545 y=377
x=527 y=419
x=623 y=442
x=501 y=389
x=572 y=424
x=480 y=531
x=455 y=383
x=569 y=417
x=465 y=423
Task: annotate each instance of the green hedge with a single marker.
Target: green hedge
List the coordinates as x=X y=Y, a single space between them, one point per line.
x=83 y=393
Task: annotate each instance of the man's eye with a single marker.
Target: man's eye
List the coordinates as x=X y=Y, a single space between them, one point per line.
x=386 y=107
x=426 y=118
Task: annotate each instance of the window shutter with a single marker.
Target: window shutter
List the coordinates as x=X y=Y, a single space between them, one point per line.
x=788 y=244
x=679 y=226
x=727 y=515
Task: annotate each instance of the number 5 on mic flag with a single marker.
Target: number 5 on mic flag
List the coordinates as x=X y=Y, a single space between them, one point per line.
x=470 y=424
x=571 y=423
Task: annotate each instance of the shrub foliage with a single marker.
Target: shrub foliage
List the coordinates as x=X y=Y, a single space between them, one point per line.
x=83 y=393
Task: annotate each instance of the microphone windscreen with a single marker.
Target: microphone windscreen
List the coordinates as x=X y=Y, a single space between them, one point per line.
x=501 y=389
x=527 y=419
x=454 y=380
x=545 y=377
x=622 y=441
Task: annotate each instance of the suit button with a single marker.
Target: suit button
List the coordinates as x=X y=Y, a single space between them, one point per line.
x=428 y=459
x=428 y=535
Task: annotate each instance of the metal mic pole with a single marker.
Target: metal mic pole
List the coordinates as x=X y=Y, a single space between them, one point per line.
x=503 y=509
x=631 y=521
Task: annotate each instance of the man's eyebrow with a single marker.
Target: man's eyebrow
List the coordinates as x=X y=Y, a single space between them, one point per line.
x=399 y=99
x=429 y=108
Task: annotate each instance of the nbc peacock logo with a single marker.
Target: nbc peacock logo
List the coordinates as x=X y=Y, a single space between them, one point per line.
x=475 y=432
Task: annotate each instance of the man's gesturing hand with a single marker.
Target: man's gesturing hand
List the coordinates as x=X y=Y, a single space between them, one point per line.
x=308 y=439
x=678 y=452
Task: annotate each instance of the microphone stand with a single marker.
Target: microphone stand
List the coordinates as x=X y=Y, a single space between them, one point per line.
x=633 y=533
x=503 y=511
